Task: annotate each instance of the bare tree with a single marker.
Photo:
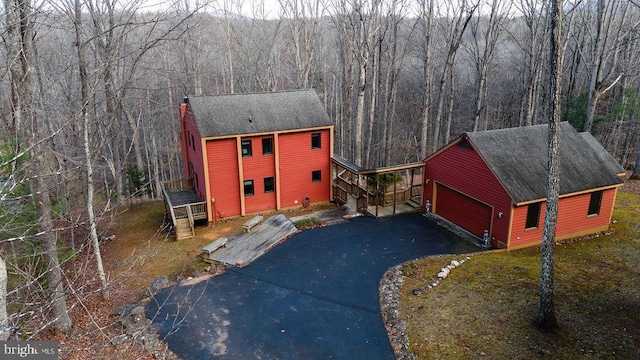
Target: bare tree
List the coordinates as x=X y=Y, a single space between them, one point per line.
x=485 y=38
x=395 y=58
x=600 y=74
x=546 y=318
x=304 y=27
x=5 y=330
x=86 y=123
x=464 y=13
x=426 y=21
x=34 y=136
x=531 y=46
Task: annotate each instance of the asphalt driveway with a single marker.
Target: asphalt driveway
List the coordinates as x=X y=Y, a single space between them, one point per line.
x=313 y=297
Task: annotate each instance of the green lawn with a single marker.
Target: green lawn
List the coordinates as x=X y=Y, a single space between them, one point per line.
x=485 y=308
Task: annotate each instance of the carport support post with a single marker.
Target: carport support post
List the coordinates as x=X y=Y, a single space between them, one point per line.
x=395 y=192
x=377 y=194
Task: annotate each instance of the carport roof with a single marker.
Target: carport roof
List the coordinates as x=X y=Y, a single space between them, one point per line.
x=518 y=158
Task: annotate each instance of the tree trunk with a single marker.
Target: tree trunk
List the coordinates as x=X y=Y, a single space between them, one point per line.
x=61 y=320
x=426 y=17
x=360 y=113
x=635 y=175
x=482 y=63
x=606 y=11
x=546 y=319
x=451 y=98
x=86 y=124
x=375 y=70
x=5 y=330
x=21 y=38
x=454 y=43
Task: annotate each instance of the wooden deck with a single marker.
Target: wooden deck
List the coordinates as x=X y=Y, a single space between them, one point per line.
x=183 y=205
x=178 y=198
x=244 y=248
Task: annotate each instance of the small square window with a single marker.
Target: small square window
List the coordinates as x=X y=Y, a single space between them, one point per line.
x=268 y=185
x=316 y=175
x=595 y=203
x=248 y=187
x=246 y=148
x=267 y=146
x=316 y=141
x=533 y=216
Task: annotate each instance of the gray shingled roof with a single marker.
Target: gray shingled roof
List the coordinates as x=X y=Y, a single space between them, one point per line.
x=518 y=158
x=603 y=154
x=236 y=114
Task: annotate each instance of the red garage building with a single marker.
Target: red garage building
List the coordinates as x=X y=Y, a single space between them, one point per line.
x=248 y=153
x=495 y=181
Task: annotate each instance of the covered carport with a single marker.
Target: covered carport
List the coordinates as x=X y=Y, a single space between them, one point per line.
x=380 y=192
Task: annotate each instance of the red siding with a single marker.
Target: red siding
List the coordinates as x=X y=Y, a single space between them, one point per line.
x=519 y=235
x=256 y=168
x=224 y=179
x=297 y=161
x=462 y=169
x=572 y=218
x=470 y=214
x=193 y=157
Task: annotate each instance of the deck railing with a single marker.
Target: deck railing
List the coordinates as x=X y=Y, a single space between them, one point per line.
x=366 y=197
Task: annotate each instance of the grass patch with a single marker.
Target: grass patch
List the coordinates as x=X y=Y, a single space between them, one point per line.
x=141 y=251
x=485 y=308
x=308 y=223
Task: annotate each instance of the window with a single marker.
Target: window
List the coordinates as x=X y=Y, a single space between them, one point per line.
x=595 y=203
x=248 y=187
x=316 y=175
x=268 y=185
x=267 y=146
x=246 y=148
x=316 y=141
x=193 y=143
x=533 y=216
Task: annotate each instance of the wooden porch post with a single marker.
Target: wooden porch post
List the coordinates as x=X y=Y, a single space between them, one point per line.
x=395 y=192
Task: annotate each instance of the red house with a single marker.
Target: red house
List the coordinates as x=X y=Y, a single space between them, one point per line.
x=495 y=181
x=248 y=153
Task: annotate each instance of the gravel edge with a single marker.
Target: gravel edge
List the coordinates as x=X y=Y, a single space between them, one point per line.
x=389 y=290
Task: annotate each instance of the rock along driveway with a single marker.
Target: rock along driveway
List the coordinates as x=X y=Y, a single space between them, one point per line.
x=313 y=297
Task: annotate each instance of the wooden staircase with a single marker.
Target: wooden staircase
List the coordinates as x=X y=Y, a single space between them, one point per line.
x=183 y=229
x=181 y=203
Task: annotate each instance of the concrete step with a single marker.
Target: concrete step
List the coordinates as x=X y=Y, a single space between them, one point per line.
x=413 y=203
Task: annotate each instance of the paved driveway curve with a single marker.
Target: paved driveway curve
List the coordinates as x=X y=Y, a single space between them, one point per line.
x=313 y=297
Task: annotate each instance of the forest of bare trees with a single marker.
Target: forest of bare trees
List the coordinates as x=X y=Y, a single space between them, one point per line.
x=90 y=91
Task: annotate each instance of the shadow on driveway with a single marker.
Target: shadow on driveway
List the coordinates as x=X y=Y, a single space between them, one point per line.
x=313 y=297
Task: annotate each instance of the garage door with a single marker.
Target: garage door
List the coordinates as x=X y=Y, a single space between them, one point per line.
x=468 y=213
